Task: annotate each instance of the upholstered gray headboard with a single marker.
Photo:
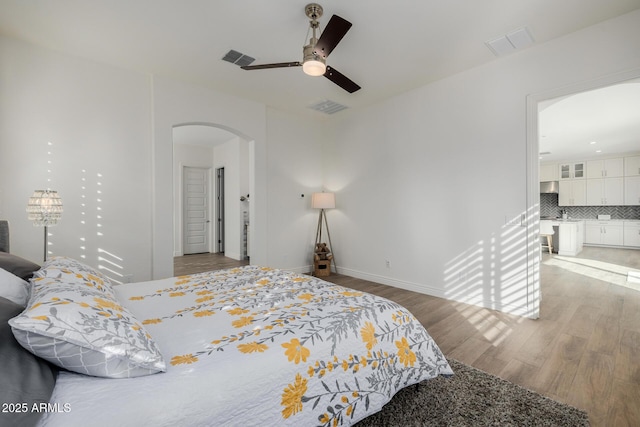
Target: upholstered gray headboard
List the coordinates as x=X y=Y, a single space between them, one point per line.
x=4 y=236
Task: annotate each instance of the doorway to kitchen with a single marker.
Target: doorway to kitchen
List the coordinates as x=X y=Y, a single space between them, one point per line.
x=538 y=150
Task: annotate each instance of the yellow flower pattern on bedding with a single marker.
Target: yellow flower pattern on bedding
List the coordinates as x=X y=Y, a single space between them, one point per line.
x=292 y=397
x=295 y=351
x=252 y=347
x=336 y=354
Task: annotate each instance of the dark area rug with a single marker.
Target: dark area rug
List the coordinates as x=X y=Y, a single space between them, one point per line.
x=473 y=398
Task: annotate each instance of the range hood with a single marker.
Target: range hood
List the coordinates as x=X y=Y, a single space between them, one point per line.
x=549 y=187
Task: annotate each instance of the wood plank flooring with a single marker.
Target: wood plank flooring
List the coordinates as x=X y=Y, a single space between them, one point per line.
x=198 y=263
x=584 y=350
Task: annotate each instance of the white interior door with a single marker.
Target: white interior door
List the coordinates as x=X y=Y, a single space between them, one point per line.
x=196 y=210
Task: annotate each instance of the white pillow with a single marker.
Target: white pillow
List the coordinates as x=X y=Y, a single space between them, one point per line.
x=13 y=288
x=75 y=321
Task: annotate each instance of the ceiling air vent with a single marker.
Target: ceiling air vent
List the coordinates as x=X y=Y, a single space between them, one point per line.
x=517 y=39
x=240 y=59
x=328 y=107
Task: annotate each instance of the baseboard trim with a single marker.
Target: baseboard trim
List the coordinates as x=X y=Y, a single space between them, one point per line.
x=435 y=292
x=402 y=284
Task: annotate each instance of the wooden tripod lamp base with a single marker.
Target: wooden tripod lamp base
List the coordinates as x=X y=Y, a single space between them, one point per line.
x=323 y=256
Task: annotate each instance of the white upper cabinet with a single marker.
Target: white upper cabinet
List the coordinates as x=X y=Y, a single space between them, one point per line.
x=572 y=193
x=607 y=168
x=632 y=166
x=632 y=190
x=549 y=172
x=605 y=192
x=575 y=170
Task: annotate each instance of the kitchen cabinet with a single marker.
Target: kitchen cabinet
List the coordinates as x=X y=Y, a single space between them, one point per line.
x=572 y=193
x=632 y=166
x=549 y=172
x=632 y=190
x=631 y=234
x=570 y=240
x=608 y=233
x=606 y=168
x=605 y=192
x=570 y=235
x=574 y=170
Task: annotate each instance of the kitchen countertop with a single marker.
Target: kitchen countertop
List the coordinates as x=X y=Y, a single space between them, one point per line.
x=562 y=220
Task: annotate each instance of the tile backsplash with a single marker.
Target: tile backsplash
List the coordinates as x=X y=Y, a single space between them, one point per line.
x=549 y=207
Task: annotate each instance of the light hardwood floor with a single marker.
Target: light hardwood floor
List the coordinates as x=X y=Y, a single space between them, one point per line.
x=198 y=263
x=584 y=350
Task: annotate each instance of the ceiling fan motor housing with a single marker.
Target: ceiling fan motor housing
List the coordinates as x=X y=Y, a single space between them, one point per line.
x=312 y=63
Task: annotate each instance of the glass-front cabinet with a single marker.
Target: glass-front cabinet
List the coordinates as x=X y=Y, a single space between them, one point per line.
x=575 y=170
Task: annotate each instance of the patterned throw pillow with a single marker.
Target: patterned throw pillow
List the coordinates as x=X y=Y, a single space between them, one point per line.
x=73 y=271
x=74 y=320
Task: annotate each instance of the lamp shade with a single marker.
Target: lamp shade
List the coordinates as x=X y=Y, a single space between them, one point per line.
x=44 y=207
x=323 y=200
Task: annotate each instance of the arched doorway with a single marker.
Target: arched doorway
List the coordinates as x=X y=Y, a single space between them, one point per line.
x=211 y=209
x=533 y=163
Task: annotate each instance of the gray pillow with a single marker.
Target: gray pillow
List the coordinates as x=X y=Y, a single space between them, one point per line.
x=18 y=266
x=24 y=378
x=4 y=236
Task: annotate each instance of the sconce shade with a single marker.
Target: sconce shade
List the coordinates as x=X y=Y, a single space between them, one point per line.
x=323 y=200
x=44 y=208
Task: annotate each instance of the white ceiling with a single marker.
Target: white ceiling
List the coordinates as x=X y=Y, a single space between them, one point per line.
x=591 y=124
x=391 y=48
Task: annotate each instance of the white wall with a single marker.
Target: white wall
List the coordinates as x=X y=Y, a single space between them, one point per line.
x=179 y=103
x=116 y=126
x=295 y=167
x=283 y=162
x=431 y=179
x=98 y=120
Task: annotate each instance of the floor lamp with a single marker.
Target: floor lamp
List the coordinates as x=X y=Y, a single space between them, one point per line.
x=324 y=201
x=45 y=209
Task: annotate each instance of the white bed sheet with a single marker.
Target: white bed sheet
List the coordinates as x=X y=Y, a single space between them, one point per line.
x=228 y=340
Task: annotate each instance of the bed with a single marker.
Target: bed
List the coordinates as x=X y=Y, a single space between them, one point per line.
x=242 y=346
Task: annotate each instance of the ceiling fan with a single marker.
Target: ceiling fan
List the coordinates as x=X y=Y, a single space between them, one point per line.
x=314 y=55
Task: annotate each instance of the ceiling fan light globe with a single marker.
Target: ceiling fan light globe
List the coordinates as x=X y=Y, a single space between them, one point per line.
x=314 y=68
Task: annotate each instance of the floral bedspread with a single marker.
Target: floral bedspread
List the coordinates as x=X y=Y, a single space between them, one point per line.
x=260 y=346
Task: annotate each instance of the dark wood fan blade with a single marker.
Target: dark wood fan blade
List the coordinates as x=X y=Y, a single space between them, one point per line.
x=275 y=65
x=341 y=80
x=335 y=30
